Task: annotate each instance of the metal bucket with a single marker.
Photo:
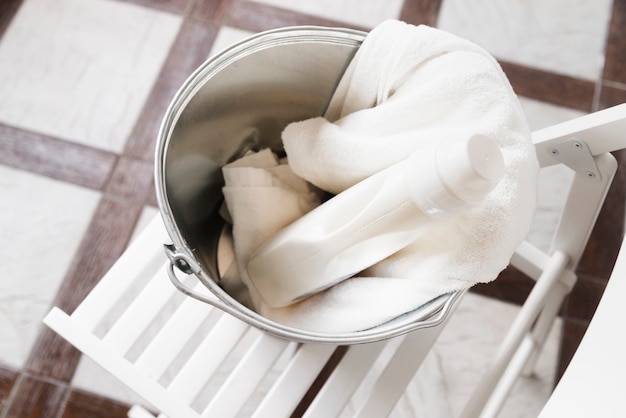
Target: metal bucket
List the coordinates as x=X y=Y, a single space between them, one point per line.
x=238 y=100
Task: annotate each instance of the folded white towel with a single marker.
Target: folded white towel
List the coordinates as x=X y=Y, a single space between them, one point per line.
x=406 y=87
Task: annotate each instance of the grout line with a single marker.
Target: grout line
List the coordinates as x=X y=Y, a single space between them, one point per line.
x=55 y=158
x=256 y=17
x=614 y=84
x=176 y=9
x=12 y=394
x=190 y=48
x=615 y=56
x=597 y=93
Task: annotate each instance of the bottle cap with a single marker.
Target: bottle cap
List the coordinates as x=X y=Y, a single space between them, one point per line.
x=452 y=175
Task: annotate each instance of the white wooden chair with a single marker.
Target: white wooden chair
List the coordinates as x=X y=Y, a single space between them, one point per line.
x=188 y=359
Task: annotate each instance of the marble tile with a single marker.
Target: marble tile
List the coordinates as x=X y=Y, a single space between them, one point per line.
x=463 y=352
x=226 y=37
x=42 y=224
x=549 y=35
x=188 y=51
x=366 y=13
x=81 y=70
x=541 y=115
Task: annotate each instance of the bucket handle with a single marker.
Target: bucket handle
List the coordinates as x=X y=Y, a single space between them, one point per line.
x=439 y=315
x=436 y=311
x=185 y=289
x=188 y=266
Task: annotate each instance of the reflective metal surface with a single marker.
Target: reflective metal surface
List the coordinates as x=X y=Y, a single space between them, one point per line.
x=241 y=99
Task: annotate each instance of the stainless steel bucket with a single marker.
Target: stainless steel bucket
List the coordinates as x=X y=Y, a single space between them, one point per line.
x=238 y=100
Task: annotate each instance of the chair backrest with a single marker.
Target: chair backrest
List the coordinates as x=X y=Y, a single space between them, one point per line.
x=189 y=359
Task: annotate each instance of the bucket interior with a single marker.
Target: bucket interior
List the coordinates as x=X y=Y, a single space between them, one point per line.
x=240 y=100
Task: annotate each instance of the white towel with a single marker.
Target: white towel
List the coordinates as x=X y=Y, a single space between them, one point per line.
x=406 y=87
x=263 y=196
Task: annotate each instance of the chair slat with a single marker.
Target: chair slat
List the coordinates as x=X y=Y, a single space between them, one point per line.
x=398 y=372
x=118 y=366
x=345 y=380
x=207 y=357
x=246 y=376
x=294 y=381
x=141 y=258
x=141 y=311
x=172 y=337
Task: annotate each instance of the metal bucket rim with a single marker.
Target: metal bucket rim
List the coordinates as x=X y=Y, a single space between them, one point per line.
x=429 y=315
x=211 y=66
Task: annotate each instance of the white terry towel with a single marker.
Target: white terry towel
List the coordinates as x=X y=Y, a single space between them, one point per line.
x=406 y=87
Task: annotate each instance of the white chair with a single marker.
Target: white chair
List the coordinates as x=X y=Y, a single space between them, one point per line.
x=188 y=359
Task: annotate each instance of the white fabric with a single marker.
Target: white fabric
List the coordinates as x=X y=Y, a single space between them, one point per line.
x=406 y=87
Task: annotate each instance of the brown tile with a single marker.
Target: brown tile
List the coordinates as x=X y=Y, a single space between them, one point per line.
x=7 y=379
x=36 y=398
x=82 y=404
x=257 y=17
x=572 y=333
x=105 y=240
x=421 y=12
x=52 y=356
x=606 y=238
x=131 y=179
x=612 y=95
x=55 y=158
x=584 y=298
x=172 y=6
x=190 y=49
x=151 y=199
x=550 y=87
x=209 y=10
x=319 y=381
x=511 y=286
x=8 y=9
x=615 y=52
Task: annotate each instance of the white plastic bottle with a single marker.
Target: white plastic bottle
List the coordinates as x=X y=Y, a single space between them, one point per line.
x=374 y=219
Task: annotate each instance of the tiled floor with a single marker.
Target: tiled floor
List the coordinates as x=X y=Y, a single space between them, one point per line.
x=84 y=85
